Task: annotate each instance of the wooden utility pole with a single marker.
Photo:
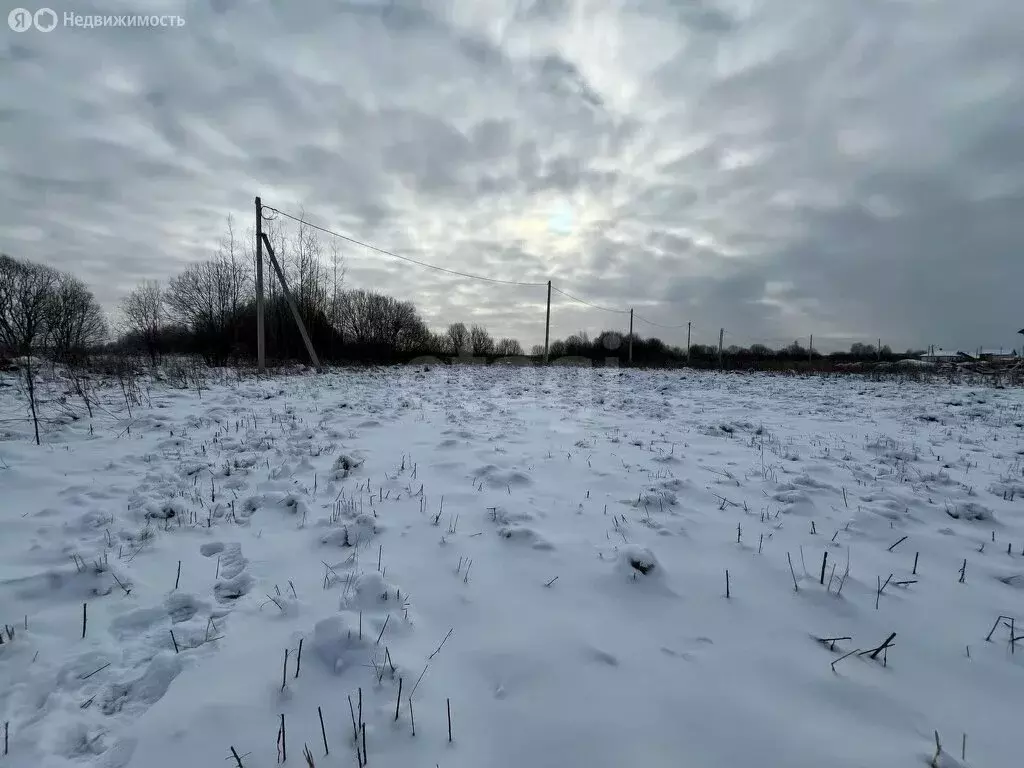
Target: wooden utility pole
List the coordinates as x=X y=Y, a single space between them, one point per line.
x=547 y=325
x=261 y=349
x=630 y=335
x=810 y=350
x=721 y=338
x=879 y=350
x=688 y=324
x=291 y=303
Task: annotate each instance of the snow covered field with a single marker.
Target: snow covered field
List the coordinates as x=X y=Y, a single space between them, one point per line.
x=544 y=549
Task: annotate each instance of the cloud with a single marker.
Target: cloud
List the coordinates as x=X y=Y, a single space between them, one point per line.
x=774 y=168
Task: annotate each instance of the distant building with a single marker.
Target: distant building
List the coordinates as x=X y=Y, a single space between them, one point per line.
x=998 y=355
x=939 y=355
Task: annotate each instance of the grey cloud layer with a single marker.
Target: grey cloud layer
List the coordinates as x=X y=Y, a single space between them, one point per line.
x=847 y=168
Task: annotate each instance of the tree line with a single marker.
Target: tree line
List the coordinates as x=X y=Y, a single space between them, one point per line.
x=209 y=310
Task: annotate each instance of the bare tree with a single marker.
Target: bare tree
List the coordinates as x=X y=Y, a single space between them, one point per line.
x=208 y=297
x=375 y=320
x=337 y=278
x=578 y=343
x=480 y=341
x=459 y=340
x=26 y=299
x=510 y=348
x=309 y=280
x=142 y=313
x=26 y=293
x=75 y=319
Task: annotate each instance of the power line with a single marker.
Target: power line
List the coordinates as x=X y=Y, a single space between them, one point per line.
x=658 y=325
x=398 y=256
x=595 y=306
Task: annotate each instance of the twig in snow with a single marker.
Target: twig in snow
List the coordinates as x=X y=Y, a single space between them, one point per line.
x=551 y=582
x=386 y=620
x=896 y=544
x=844 y=656
x=398 y=699
x=988 y=638
x=429 y=658
x=449 y=721
x=881 y=589
x=413 y=691
x=284 y=671
x=875 y=651
x=846 y=573
x=274 y=601
x=127 y=591
x=238 y=760
x=351 y=711
x=323 y=731
x=86 y=677
x=831 y=641
x=282 y=744
x=298 y=660
x=796 y=588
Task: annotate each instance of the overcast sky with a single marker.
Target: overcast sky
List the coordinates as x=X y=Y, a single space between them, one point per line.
x=847 y=168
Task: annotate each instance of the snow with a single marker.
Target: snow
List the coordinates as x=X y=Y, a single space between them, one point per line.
x=544 y=549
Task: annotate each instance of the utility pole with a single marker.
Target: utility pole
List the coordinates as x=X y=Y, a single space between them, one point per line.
x=810 y=350
x=688 y=324
x=879 y=350
x=547 y=325
x=630 y=335
x=261 y=349
x=721 y=338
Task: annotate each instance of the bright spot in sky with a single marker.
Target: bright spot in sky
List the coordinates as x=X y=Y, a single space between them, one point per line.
x=561 y=219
